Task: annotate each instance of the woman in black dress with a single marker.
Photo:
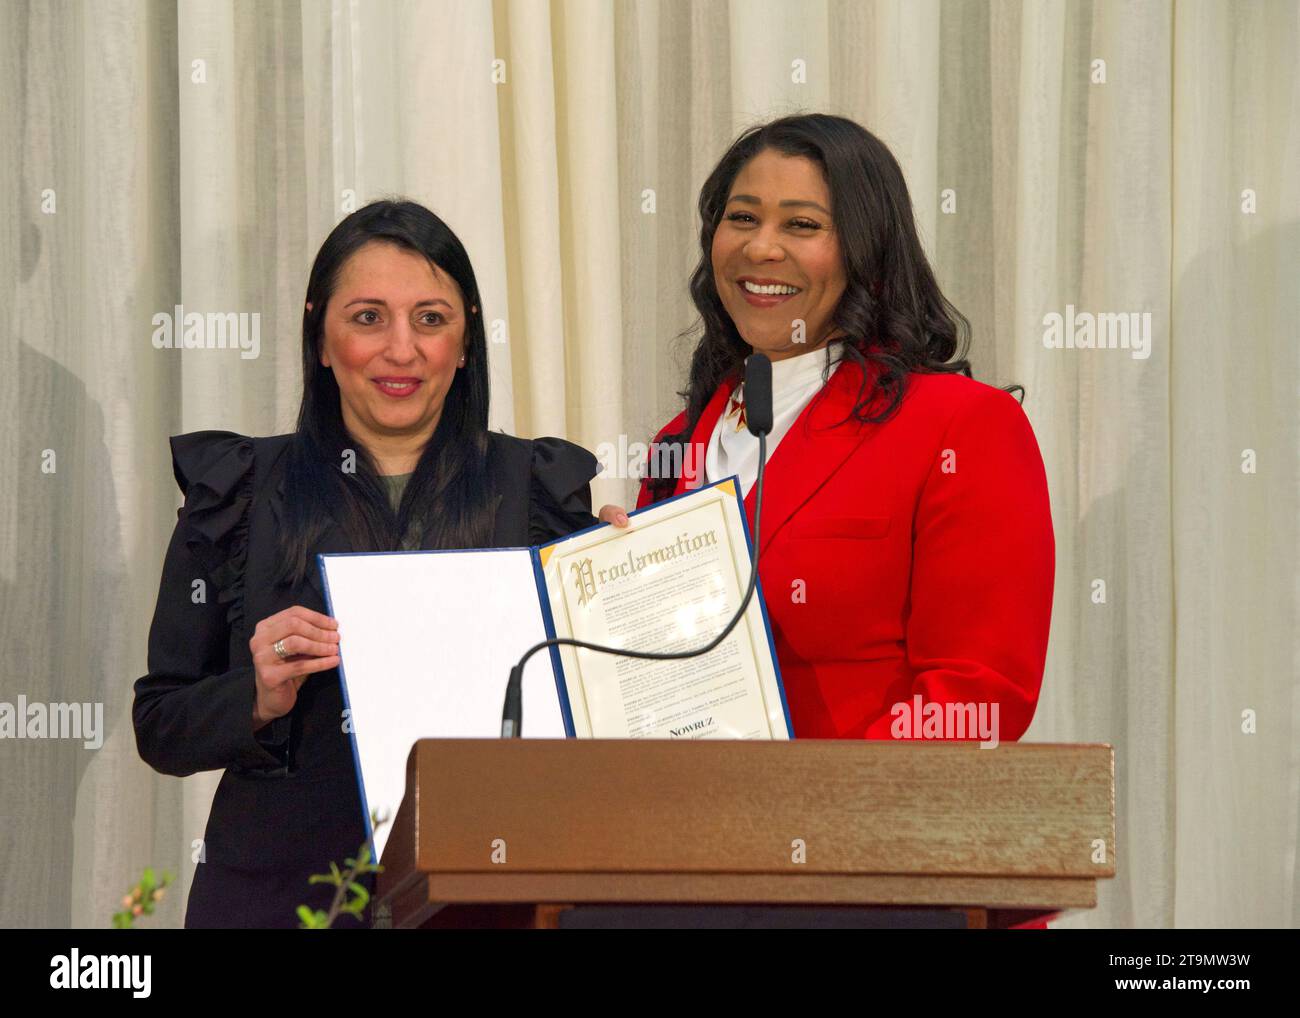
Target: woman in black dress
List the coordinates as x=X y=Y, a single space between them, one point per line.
x=392 y=451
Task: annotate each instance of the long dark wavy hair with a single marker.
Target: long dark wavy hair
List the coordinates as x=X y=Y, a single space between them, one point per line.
x=448 y=493
x=892 y=311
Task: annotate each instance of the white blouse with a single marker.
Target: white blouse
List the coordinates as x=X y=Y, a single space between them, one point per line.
x=795 y=381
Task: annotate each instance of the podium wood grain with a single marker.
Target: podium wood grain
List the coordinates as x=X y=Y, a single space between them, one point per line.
x=533 y=821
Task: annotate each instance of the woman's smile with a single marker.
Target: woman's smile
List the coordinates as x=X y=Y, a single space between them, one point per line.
x=766 y=293
x=397 y=387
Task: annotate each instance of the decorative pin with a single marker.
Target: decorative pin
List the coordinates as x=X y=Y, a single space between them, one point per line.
x=736 y=408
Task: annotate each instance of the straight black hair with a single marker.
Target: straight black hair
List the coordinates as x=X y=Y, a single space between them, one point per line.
x=892 y=311
x=448 y=493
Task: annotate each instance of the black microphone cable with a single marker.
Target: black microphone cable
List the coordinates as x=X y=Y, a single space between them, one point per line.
x=512 y=713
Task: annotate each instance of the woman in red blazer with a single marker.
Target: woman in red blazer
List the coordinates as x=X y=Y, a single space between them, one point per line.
x=907 y=556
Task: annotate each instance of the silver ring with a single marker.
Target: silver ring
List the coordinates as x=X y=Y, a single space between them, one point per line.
x=280 y=652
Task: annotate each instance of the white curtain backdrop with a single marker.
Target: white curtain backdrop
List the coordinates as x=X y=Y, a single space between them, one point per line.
x=1108 y=156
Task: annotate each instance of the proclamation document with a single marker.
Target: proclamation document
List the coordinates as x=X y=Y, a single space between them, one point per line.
x=670 y=582
x=428 y=639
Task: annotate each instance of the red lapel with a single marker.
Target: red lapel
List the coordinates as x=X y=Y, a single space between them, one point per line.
x=811 y=451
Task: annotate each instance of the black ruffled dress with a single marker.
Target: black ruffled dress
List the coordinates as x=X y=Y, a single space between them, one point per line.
x=287 y=804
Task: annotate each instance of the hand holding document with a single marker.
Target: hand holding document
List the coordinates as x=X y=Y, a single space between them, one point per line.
x=428 y=638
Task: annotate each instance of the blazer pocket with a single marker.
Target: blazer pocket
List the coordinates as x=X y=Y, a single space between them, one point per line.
x=853 y=527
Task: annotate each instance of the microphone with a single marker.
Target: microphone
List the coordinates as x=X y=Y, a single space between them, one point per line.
x=758 y=401
x=758 y=416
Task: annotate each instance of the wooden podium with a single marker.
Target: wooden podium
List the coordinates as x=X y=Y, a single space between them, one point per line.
x=548 y=833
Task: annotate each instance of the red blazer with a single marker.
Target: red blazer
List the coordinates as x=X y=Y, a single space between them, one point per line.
x=910 y=557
